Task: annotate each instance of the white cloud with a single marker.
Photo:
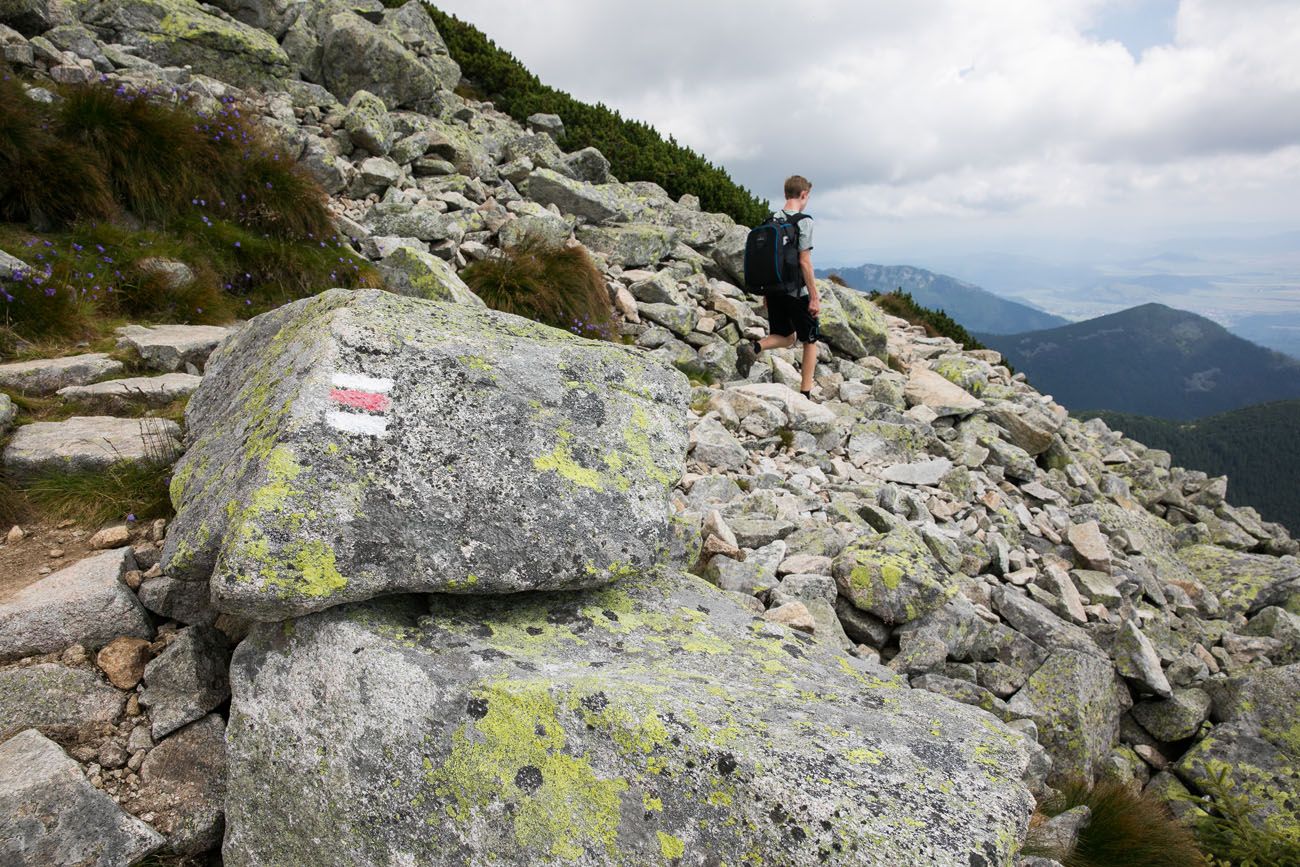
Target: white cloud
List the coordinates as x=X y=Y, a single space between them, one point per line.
x=912 y=116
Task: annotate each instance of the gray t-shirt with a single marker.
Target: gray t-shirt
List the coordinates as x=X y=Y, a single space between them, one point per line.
x=805 y=230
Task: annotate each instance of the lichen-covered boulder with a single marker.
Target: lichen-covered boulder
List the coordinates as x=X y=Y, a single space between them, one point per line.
x=1244 y=583
x=634 y=245
x=893 y=575
x=652 y=722
x=859 y=317
x=1255 y=748
x=361 y=443
x=185 y=32
x=599 y=203
x=418 y=274
x=1076 y=700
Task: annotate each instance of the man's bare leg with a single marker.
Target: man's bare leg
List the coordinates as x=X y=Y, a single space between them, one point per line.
x=776 y=341
x=809 y=365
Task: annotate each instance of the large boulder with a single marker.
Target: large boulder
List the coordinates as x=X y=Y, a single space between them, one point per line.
x=358 y=55
x=855 y=314
x=185 y=32
x=48 y=375
x=51 y=814
x=650 y=722
x=1244 y=583
x=893 y=575
x=599 y=203
x=634 y=245
x=362 y=443
x=418 y=274
x=62 y=702
x=1255 y=749
x=172 y=347
x=87 y=603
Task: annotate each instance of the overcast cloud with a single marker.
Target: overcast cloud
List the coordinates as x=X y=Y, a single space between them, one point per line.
x=935 y=121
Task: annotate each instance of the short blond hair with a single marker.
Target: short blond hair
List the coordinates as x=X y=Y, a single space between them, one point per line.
x=796 y=186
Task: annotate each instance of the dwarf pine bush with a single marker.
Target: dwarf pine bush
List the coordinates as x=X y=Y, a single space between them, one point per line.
x=555 y=284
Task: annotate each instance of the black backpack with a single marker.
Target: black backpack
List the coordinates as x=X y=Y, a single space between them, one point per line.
x=772 y=254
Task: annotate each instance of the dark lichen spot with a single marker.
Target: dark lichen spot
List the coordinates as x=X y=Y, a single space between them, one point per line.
x=799 y=834
x=534 y=630
x=596 y=702
x=792 y=650
x=529 y=779
x=978 y=860
x=482 y=631
x=477 y=708
x=726 y=764
x=610 y=615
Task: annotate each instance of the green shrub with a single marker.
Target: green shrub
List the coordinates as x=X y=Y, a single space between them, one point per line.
x=1227 y=832
x=1127 y=829
x=557 y=285
x=636 y=152
x=935 y=322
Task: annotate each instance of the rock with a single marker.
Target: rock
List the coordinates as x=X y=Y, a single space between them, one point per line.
x=123 y=660
x=679 y=320
x=551 y=124
x=1014 y=460
x=187 y=602
x=8 y=412
x=60 y=701
x=89 y=444
x=50 y=813
x=47 y=376
x=1254 y=747
x=187 y=680
x=918 y=473
x=589 y=165
x=273 y=16
x=498 y=760
x=173 y=273
x=28 y=17
x=110 y=537
x=757 y=532
x=423 y=222
x=1281 y=625
x=123 y=394
x=860 y=626
x=1039 y=624
x=802 y=413
x=634 y=245
x=927 y=388
x=893 y=575
x=849 y=320
x=1098 y=587
x=714 y=446
x=367 y=122
x=598 y=203
x=1091 y=546
x=356 y=54
x=1061 y=832
x=417 y=274
x=183 y=786
x=491 y=465
x=86 y=603
x=1076 y=700
x=1137 y=660
x=183 y=33
x=793 y=614
x=1175 y=718
x=718 y=359
x=754 y=574
x=170 y=347
x=1243 y=583
x=1031 y=428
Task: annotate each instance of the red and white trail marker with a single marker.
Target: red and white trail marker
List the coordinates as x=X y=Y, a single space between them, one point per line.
x=365 y=393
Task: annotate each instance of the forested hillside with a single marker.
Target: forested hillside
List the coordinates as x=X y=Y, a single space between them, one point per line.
x=1255 y=447
x=636 y=152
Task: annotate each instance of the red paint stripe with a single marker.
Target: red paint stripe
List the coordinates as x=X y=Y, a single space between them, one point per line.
x=360 y=399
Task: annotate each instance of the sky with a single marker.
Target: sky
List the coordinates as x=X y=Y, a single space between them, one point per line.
x=975 y=124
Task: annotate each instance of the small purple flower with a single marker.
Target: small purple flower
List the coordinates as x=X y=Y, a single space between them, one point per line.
x=131 y=517
x=236 y=243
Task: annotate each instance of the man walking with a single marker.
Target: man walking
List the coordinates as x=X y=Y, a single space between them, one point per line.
x=792 y=309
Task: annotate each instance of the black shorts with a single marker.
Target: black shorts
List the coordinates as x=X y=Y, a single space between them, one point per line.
x=786 y=316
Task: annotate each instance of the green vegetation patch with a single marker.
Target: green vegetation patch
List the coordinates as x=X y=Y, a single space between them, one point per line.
x=935 y=322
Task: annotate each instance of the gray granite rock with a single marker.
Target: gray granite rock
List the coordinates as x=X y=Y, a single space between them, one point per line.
x=893 y=575
x=51 y=814
x=85 y=603
x=183 y=787
x=1174 y=718
x=89 y=444
x=917 y=473
x=170 y=347
x=60 y=701
x=381 y=444
x=187 y=680
x=1137 y=660
x=501 y=759
x=418 y=274
x=46 y=376
x=123 y=394
x=714 y=446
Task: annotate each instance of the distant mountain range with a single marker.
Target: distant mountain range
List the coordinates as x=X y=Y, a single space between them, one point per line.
x=973 y=308
x=1150 y=360
x=1255 y=447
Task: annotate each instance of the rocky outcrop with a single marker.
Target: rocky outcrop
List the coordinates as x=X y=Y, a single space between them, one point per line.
x=654 y=720
x=380 y=444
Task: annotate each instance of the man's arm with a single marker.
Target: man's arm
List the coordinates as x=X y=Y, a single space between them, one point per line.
x=810 y=280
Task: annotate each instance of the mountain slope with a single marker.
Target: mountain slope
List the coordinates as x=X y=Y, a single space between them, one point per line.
x=974 y=308
x=1150 y=360
x=1254 y=447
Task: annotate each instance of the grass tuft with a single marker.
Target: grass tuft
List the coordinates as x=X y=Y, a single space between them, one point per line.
x=1128 y=829
x=124 y=489
x=557 y=285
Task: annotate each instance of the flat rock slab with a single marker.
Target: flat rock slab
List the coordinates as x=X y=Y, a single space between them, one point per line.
x=917 y=473
x=362 y=443
x=56 y=699
x=51 y=814
x=927 y=388
x=89 y=444
x=645 y=723
x=87 y=603
x=171 y=347
x=46 y=376
x=1244 y=583
x=135 y=390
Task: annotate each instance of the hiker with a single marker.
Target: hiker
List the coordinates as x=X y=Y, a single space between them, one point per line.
x=792 y=308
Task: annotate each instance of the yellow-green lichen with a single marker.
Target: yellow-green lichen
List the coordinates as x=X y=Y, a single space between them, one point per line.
x=670 y=846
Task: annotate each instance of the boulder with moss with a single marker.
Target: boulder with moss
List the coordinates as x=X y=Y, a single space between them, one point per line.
x=893 y=575
x=655 y=721
x=1243 y=582
x=418 y=274
x=361 y=443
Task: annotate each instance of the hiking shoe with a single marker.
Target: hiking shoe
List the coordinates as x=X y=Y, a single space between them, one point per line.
x=746 y=355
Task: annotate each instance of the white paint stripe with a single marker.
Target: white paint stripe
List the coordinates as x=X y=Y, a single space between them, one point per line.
x=363 y=383
x=373 y=425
